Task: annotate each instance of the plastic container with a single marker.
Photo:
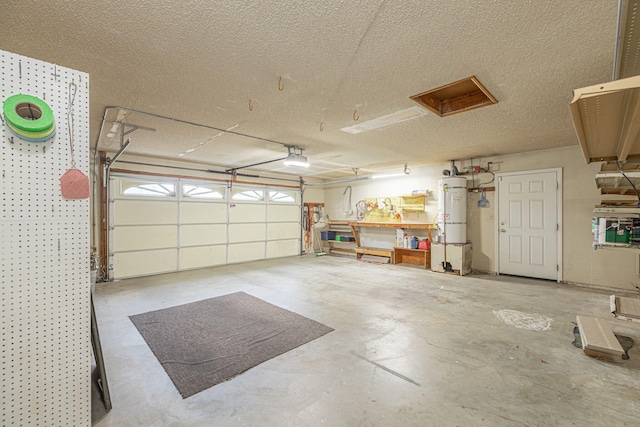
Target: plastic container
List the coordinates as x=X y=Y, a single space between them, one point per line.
x=327 y=235
x=425 y=245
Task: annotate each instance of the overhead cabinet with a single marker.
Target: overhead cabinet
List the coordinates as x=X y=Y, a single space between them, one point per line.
x=606 y=118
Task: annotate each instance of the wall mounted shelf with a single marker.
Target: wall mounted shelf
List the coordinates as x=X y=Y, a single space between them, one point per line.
x=606 y=118
x=412 y=203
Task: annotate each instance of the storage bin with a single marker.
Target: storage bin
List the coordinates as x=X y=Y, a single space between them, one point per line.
x=328 y=235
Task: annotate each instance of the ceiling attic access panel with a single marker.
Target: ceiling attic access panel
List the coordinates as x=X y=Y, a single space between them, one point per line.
x=457 y=97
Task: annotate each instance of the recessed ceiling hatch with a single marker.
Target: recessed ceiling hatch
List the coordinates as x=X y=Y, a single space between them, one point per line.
x=457 y=97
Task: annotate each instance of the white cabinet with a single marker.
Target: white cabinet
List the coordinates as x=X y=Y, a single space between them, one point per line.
x=457 y=255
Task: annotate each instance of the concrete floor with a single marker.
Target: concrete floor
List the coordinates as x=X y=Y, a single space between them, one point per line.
x=410 y=348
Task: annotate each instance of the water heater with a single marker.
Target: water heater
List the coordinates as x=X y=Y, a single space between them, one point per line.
x=452 y=209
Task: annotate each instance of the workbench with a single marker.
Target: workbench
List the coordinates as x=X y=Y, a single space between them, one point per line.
x=386 y=252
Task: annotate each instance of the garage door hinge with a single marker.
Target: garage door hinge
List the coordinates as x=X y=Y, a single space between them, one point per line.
x=557 y=267
x=557 y=227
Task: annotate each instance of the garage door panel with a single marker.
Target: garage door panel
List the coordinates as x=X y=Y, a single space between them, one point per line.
x=203 y=256
x=144 y=212
x=283 y=213
x=203 y=213
x=180 y=230
x=283 y=248
x=246 y=232
x=243 y=252
x=198 y=235
x=283 y=230
x=247 y=212
x=145 y=237
x=144 y=263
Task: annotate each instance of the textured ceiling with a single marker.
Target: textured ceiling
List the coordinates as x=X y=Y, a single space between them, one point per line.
x=206 y=61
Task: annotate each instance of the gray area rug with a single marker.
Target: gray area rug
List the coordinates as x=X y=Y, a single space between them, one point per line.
x=207 y=342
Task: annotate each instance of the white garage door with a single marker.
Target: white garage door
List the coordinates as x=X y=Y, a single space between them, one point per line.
x=166 y=225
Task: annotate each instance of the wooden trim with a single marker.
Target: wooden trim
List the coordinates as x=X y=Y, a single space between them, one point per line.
x=483 y=89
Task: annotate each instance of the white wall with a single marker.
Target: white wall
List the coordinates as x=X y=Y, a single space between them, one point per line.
x=614 y=268
x=313 y=195
x=421 y=178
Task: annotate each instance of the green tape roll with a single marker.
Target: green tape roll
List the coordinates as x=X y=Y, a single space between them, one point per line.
x=35 y=135
x=28 y=113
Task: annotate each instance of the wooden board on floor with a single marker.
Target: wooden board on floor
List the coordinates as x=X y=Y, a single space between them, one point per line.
x=625 y=308
x=375 y=259
x=598 y=340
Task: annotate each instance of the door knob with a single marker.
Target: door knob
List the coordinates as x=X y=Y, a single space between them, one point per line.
x=502 y=230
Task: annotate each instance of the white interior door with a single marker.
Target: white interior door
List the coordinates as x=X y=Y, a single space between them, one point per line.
x=529 y=224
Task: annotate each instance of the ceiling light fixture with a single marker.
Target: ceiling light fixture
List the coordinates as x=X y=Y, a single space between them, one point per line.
x=405 y=171
x=295 y=157
x=389 y=119
x=389 y=175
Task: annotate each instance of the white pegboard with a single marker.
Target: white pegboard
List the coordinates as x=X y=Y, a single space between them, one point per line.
x=45 y=362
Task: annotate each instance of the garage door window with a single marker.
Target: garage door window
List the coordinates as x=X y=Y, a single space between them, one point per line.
x=282 y=196
x=147 y=189
x=203 y=191
x=248 y=195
